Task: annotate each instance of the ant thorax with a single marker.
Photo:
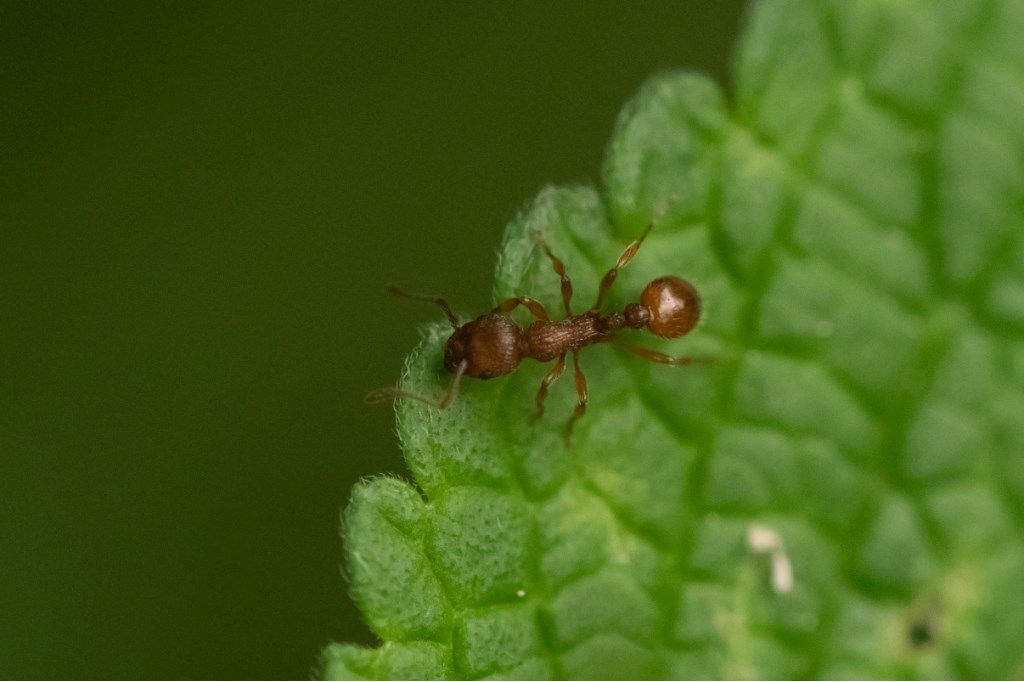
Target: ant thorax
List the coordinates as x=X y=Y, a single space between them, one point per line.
x=545 y=340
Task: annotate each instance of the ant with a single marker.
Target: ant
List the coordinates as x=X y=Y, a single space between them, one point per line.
x=493 y=345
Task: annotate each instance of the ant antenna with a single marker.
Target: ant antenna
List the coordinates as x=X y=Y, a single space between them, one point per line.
x=393 y=392
x=452 y=319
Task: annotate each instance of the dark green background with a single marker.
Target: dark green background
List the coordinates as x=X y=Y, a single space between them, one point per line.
x=200 y=208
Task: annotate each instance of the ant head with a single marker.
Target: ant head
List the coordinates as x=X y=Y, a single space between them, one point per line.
x=489 y=345
x=673 y=305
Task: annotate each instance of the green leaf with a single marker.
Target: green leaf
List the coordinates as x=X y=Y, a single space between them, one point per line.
x=852 y=218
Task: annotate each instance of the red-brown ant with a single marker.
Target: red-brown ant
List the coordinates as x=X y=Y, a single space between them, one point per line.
x=493 y=345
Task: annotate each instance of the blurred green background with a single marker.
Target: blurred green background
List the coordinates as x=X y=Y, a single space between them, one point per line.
x=200 y=208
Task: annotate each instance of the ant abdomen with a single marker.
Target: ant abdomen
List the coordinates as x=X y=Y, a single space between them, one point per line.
x=673 y=306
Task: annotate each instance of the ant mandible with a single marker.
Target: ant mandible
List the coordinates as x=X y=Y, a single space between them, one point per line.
x=493 y=344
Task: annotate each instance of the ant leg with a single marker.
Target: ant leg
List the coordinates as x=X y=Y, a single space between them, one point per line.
x=559 y=267
x=393 y=392
x=624 y=258
x=581 y=394
x=533 y=305
x=548 y=379
x=655 y=356
x=452 y=319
